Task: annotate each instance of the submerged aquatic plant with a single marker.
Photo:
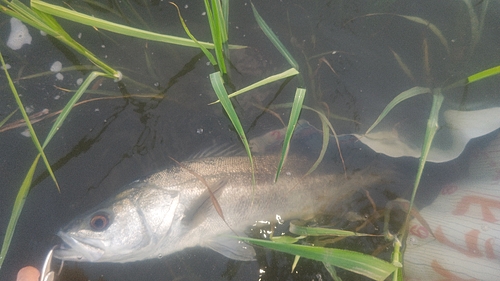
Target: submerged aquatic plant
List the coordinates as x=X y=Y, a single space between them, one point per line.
x=41 y=16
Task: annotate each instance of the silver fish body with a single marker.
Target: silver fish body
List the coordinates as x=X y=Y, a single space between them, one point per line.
x=172 y=210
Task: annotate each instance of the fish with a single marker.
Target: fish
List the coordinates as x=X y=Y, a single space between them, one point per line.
x=172 y=210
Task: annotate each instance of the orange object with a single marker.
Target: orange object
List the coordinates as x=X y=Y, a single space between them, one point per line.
x=28 y=273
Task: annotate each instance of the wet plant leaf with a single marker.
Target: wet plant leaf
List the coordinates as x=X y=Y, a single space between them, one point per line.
x=399 y=98
x=294 y=117
x=274 y=39
x=483 y=74
x=285 y=74
x=48 y=24
x=359 y=263
x=324 y=144
x=16 y=210
x=34 y=138
x=218 y=31
x=331 y=269
x=286 y=239
x=67 y=108
x=186 y=29
x=430 y=132
x=114 y=27
x=7 y=117
x=220 y=91
x=298 y=229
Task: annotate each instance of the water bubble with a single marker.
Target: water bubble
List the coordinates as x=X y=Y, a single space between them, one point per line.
x=199 y=131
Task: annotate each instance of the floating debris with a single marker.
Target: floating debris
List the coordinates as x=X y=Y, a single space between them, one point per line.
x=56 y=66
x=19 y=35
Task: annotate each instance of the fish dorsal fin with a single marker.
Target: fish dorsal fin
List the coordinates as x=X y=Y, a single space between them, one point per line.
x=231 y=248
x=196 y=213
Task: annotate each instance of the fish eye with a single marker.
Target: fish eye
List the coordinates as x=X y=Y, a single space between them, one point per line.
x=99 y=222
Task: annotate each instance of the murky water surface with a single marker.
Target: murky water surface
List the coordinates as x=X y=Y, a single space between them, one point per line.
x=354 y=56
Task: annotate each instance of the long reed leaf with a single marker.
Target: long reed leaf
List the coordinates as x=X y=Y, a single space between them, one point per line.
x=274 y=39
x=186 y=29
x=359 y=263
x=298 y=229
x=48 y=24
x=67 y=108
x=300 y=93
x=7 y=118
x=285 y=74
x=399 y=98
x=34 y=138
x=116 y=28
x=483 y=74
x=16 y=210
x=220 y=91
x=430 y=132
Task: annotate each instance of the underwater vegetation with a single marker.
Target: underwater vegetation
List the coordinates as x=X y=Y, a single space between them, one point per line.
x=445 y=113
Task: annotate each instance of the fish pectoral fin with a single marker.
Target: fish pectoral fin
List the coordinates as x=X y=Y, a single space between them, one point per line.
x=196 y=213
x=232 y=248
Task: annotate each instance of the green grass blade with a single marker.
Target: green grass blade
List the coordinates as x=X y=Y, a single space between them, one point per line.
x=432 y=127
x=331 y=269
x=34 y=138
x=16 y=210
x=285 y=74
x=300 y=93
x=298 y=229
x=359 y=263
x=69 y=106
x=483 y=74
x=220 y=91
x=225 y=13
x=474 y=78
x=7 y=118
x=114 y=27
x=324 y=120
x=186 y=29
x=325 y=142
x=48 y=24
x=219 y=33
x=274 y=39
x=399 y=98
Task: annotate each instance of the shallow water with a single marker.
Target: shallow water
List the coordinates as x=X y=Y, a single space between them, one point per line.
x=346 y=60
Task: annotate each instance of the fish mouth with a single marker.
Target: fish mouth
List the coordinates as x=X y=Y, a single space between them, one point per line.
x=77 y=249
